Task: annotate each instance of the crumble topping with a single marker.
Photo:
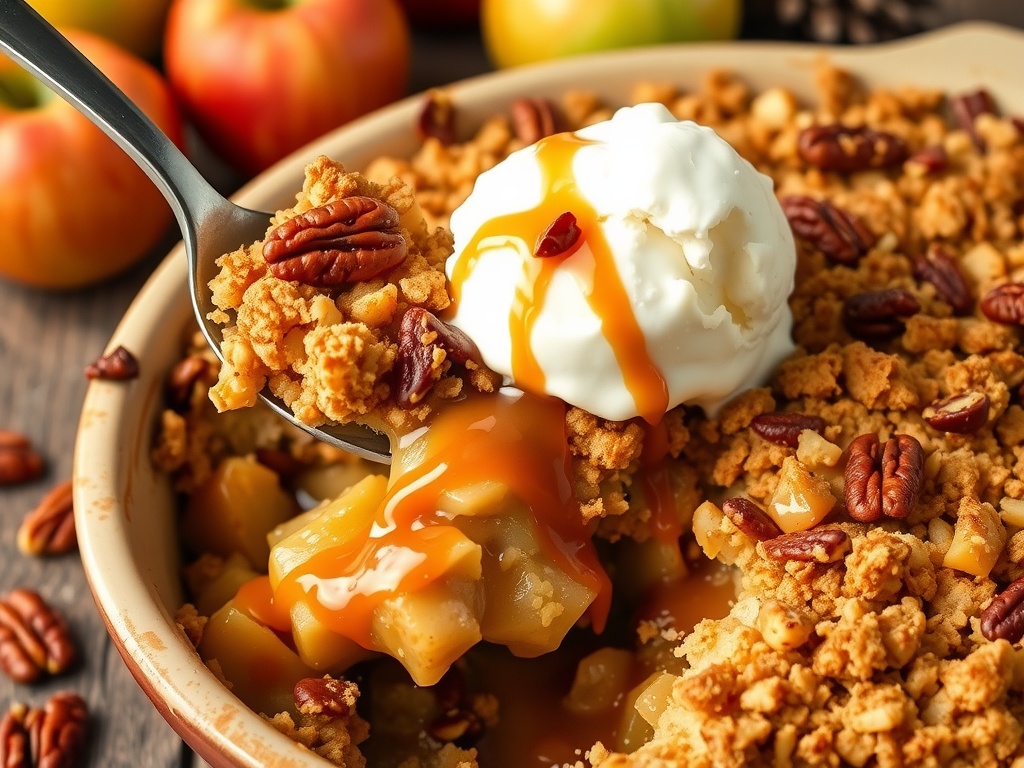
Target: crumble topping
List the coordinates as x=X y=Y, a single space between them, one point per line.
x=875 y=659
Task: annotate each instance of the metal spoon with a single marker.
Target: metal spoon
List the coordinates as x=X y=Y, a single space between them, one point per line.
x=210 y=225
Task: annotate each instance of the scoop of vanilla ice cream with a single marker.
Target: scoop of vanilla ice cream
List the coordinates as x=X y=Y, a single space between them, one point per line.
x=701 y=246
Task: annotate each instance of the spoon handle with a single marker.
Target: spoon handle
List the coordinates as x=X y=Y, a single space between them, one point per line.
x=39 y=48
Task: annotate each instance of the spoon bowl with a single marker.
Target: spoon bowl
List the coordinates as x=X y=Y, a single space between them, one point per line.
x=210 y=224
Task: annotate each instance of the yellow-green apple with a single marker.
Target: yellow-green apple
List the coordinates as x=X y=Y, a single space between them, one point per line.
x=137 y=25
x=522 y=31
x=260 y=78
x=74 y=208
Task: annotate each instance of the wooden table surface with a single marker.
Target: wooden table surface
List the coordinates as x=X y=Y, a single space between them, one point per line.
x=46 y=340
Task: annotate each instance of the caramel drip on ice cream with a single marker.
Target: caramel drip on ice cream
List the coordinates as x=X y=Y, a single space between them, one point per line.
x=606 y=294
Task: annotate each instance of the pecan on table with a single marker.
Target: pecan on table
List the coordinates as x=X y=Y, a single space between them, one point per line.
x=1004 y=616
x=784 y=428
x=49 y=529
x=424 y=343
x=19 y=462
x=1004 y=304
x=882 y=479
x=533 y=119
x=119 y=365
x=51 y=737
x=938 y=268
x=836 y=232
x=879 y=314
x=751 y=519
x=818 y=545
x=962 y=413
x=344 y=241
x=847 y=149
x=34 y=638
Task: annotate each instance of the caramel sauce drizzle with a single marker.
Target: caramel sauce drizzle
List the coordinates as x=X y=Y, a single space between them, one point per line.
x=516 y=440
x=607 y=295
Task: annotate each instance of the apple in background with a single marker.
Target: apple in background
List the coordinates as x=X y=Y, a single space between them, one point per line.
x=74 y=208
x=261 y=78
x=442 y=13
x=133 y=24
x=522 y=31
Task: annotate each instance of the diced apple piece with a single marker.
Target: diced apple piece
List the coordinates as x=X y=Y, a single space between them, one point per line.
x=530 y=603
x=644 y=565
x=224 y=585
x=481 y=498
x=288 y=527
x=601 y=680
x=427 y=630
x=717 y=536
x=262 y=670
x=339 y=523
x=332 y=480
x=319 y=646
x=235 y=508
x=801 y=500
x=655 y=697
x=978 y=538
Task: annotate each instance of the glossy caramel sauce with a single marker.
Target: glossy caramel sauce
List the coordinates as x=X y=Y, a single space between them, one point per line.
x=606 y=296
x=513 y=438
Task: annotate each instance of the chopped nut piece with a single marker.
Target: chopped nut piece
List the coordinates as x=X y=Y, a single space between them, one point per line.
x=118 y=365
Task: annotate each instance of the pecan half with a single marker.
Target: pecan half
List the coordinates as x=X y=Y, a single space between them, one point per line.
x=119 y=365
x=183 y=378
x=836 y=232
x=882 y=479
x=1003 y=619
x=437 y=118
x=846 y=149
x=818 y=545
x=963 y=413
x=344 y=241
x=1004 y=304
x=750 y=519
x=932 y=160
x=784 y=428
x=325 y=696
x=879 y=314
x=49 y=529
x=938 y=268
x=424 y=342
x=51 y=737
x=19 y=462
x=33 y=637
x=559 y=238
x=533 y=119
x=966 y=107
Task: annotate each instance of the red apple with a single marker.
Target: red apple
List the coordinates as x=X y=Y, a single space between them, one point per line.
x=74 y=208
x=261 y=78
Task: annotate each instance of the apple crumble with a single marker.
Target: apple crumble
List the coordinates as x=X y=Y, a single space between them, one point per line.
x=828 y=570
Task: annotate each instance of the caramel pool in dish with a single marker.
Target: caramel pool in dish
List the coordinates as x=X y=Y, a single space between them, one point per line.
x=860 y=507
